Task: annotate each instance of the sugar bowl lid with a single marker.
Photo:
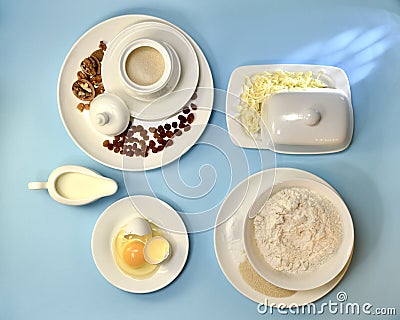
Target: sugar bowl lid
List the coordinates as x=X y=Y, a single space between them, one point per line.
x=308 y=121
x=109 y=114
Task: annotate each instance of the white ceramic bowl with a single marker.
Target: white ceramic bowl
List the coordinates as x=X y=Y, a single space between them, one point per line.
x=310 y=279
x=169 y=79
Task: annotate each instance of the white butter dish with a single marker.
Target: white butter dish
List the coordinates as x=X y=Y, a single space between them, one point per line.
x=312 y=121
x=298 y=140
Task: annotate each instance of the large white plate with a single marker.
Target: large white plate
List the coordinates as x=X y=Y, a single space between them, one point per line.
x=334 y=77
x=78 y=124
x=119 y=214
x=223 y=237
x=189 y=77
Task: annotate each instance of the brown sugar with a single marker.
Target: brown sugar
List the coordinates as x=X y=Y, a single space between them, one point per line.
x=258 y=283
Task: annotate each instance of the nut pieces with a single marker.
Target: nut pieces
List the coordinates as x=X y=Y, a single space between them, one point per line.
x=83 y=90
x=99 y=54
x=91 y=66
x=89 y=83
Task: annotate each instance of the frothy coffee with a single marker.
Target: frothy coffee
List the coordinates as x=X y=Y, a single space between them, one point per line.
x=145 y=65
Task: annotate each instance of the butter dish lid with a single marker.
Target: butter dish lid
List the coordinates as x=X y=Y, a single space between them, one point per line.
x=308 y=121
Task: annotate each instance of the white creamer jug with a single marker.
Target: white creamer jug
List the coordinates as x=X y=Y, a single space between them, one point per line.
x=76 y=185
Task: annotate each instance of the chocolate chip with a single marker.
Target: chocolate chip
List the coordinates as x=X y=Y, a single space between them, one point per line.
x=186 y=110
x=194 y=96
x=193 y=106
x=174 y=124
x=187 y=128
x=181 y=118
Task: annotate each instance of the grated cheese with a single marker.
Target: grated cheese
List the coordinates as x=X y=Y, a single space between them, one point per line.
x=261 y=86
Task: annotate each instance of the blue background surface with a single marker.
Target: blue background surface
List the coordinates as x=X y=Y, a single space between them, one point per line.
x=46 y=268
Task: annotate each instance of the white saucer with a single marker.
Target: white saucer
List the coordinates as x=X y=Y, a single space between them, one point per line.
x=78 y=125
x=175 y=100
x=119 y=214
x=224 y=239
x=334 y=77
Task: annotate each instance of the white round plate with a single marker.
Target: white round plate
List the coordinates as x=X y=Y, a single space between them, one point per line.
x=175 y=100
x=119 y=214
x=320 y=275
x=78 y=125
x=228 y=259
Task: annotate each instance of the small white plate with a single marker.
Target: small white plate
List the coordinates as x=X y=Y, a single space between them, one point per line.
x=119 y=214
x=231 y=214
x=78 y=125
x=334 y=77
x=164 y=106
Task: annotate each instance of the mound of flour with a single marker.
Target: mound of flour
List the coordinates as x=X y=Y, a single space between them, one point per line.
x=297 y=230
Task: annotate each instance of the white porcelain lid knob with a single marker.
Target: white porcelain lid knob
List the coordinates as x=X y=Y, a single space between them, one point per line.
x=312 y=117
x=102 y=118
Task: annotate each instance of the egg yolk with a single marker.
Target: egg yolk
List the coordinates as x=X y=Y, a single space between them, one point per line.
x=133 y=254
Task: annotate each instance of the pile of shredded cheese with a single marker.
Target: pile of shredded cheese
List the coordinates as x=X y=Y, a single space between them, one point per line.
x=261 y=86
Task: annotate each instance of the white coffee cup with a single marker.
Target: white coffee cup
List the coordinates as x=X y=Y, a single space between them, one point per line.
x=149 y=69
